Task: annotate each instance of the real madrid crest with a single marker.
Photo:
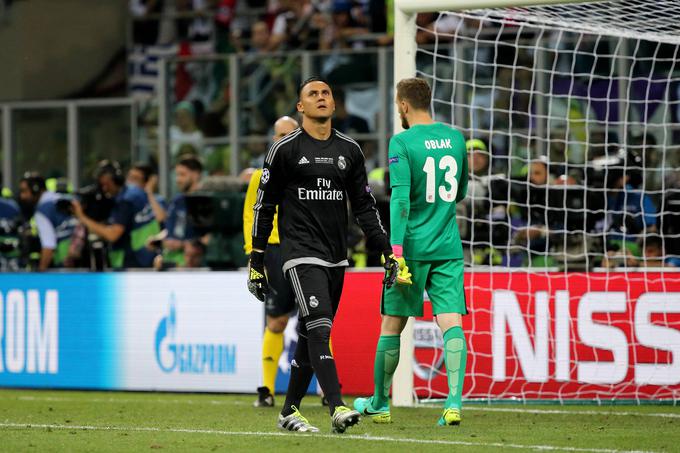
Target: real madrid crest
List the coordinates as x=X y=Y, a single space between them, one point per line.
x=341 y=163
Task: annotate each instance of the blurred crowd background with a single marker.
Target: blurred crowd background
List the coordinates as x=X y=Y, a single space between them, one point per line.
x=145 y=162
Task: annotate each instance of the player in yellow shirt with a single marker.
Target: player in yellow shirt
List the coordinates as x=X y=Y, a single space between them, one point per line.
x=281 y=300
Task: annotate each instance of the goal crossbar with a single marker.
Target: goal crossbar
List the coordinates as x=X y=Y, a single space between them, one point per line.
x=425 y=6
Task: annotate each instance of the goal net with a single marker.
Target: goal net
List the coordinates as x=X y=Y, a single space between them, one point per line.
x=571 y=225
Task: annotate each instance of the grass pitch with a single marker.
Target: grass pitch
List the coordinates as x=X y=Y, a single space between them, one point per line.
x=98 y=421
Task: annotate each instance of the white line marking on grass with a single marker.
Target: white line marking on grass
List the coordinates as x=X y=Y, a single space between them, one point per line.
x=316 y=404
x=302 y=436
x=565 y=412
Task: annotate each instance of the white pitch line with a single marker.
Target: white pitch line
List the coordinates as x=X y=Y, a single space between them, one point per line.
x=565 y=412
x=316 y=404
x=328 y=436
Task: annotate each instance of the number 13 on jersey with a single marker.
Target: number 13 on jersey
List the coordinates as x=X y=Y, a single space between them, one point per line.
x=447 y=163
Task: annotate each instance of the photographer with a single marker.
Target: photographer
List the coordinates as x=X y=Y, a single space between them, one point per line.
x=10 y=218
x=535 y=234
x=54 y=227
x=130 y=222
x=187 y=177
x=631 y=213
x=143 y=176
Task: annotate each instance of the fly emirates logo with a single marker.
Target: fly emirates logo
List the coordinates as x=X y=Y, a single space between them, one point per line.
x=324 y=192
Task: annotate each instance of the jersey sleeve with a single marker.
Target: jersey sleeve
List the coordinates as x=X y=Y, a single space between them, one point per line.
x=269 y=195
x=400 y=182
x=399 y=165
x=251 y=196
x=364 y=204
x=400 y=207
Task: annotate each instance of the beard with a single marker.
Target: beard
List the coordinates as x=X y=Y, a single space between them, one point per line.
x=186 y=187
x=404 y=121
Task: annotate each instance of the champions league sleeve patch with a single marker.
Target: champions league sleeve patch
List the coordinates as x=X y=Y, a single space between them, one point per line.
x=394 y=160
x=265 y=176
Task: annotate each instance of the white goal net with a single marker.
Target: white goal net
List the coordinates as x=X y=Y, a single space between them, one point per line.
x=572 y=222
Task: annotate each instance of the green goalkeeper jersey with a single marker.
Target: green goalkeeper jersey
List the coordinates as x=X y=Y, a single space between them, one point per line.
x=430 y=163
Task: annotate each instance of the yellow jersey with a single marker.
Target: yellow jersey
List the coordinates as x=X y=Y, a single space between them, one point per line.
x=251 y=196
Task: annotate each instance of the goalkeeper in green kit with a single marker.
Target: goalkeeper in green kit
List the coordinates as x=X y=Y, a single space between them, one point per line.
x=428 y=176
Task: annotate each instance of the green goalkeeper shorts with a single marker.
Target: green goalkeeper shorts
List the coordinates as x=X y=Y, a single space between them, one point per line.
x=443 y=281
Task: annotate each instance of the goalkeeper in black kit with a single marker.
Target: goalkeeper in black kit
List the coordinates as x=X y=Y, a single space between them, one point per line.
x=311 y=174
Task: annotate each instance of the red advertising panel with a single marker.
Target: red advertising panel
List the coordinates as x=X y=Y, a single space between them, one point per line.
x=534 y=335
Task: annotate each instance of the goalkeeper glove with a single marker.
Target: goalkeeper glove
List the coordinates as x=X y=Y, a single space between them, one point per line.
x=396 y=270
x=257 y=280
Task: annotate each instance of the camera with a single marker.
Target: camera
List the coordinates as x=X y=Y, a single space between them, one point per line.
x=96 y=204
x=217 y=210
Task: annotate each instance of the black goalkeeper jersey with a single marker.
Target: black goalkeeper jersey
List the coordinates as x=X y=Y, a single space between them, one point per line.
x=311 y=181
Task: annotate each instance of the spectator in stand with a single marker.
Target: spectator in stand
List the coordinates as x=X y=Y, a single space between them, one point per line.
x=669 y=221
x=630 y=212
x=259 y=37
x=348 y=21
x=143 y=176
x=433 y=27
x=194 y=253
x=535 y=234
x=185 y=131
x=476 y=205
x=652 y=255
x=193 y=257
x=295 y=27
x=145 y=31
x=188 y=178
x=10 y=219
x=346 y=122
x=653 y=252
x=478 y=163
x=130 y=223
x=381 y=13
x=224 y=15
x=54 y=226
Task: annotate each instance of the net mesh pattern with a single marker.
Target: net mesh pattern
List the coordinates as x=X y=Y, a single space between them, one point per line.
x=573 y=117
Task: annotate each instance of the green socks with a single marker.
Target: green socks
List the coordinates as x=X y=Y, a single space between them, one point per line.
x=455 y=357
x=386 y=360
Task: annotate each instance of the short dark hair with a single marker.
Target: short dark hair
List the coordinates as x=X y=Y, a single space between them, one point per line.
x=146 y=169
x=651 y=240
x=196 y=243
x=416 y=92
x=192 y=163
x=111 y=168
x=310 y=80
x=35 y=182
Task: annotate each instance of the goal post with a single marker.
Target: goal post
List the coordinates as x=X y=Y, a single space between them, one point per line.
x=597 y=84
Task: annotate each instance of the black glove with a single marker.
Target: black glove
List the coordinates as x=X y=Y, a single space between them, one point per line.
x=391 y=266
x=257 y=280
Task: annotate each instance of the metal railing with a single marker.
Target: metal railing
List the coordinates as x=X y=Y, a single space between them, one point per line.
x=72 y=124
x=70 y=129
x=238 y=107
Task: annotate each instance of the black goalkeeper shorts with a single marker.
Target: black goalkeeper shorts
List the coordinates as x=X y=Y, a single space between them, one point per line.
x=280 y=299
x=317 y=292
